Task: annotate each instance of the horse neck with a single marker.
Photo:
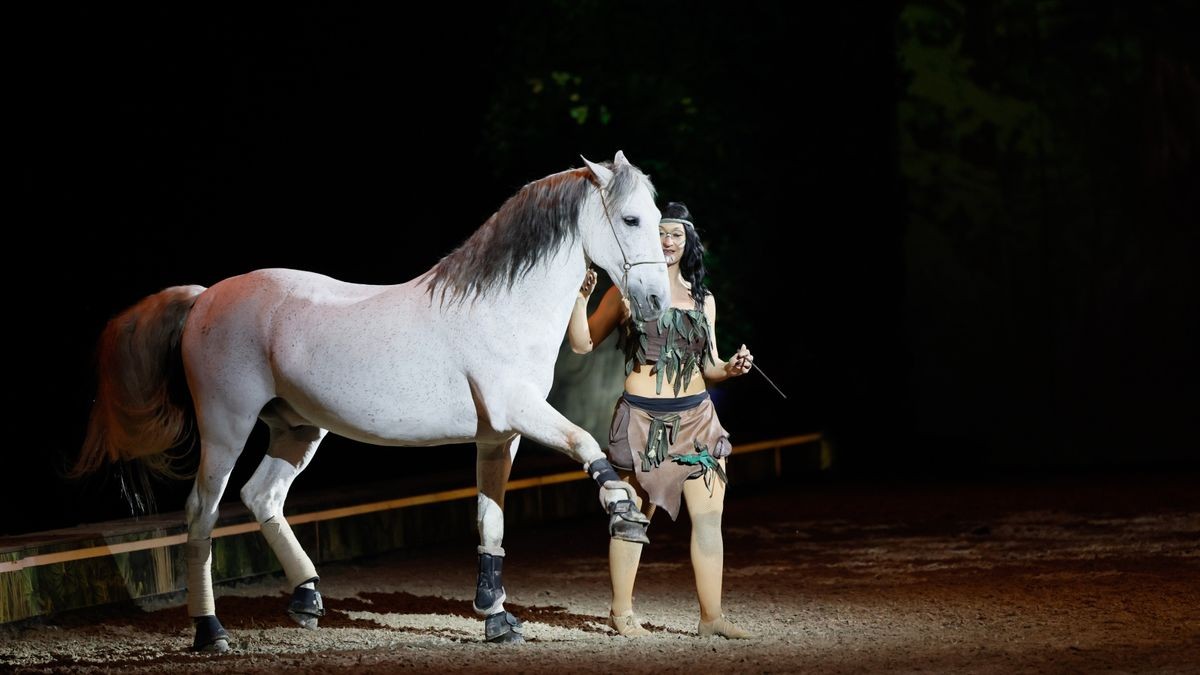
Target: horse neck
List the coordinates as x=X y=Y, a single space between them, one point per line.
x=547 y=291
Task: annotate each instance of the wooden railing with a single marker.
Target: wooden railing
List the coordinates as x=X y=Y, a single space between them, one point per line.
x=775 y=445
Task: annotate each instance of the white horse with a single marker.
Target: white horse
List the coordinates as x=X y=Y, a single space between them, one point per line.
x=465 y=352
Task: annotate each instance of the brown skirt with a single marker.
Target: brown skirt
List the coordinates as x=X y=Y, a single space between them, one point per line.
x=666 y=449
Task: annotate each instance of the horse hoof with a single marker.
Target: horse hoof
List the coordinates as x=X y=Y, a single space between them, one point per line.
x=502 y=628
x=306 y=607
x=507 y=639
x=307 y=621
x=627 y=523
x=627 y=531
x=218 y=646
x=210 y=635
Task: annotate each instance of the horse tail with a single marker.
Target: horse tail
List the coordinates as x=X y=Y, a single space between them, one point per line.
x=141 y=408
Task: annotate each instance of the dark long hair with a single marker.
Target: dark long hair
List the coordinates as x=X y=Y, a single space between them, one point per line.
x=691 y=266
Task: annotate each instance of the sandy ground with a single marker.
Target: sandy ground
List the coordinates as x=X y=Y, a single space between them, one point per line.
x=1095 y=575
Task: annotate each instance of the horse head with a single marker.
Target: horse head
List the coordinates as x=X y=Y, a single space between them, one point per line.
x=622 y=236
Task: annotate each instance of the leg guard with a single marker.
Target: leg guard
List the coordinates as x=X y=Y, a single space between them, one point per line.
x=601 y=471
x=489 y=588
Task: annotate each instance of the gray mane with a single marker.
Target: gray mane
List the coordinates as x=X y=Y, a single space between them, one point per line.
x=532 y=223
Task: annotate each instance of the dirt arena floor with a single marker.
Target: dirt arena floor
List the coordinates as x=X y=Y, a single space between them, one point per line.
x=1087 y=575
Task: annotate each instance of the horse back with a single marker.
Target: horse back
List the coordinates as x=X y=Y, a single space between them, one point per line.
x=232 y=336
x=357 y=360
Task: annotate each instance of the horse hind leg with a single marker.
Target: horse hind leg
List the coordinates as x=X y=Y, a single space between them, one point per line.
x=492 y=467
x=290 y=451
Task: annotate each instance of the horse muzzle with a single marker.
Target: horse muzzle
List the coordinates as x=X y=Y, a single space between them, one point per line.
x=649 y=294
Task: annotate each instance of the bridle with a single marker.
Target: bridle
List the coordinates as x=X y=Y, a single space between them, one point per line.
x=627 y=265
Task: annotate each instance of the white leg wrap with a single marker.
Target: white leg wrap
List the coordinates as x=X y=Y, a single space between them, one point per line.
x=496 y=551
x=198 y=554
x=296 y=564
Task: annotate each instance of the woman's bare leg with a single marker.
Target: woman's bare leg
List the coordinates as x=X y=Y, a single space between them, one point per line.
x=708 y=555
x=624 y=557
x=708 y=547
x=623 y=560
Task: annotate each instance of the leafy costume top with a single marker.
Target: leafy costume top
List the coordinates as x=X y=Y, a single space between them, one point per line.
x=676 y=344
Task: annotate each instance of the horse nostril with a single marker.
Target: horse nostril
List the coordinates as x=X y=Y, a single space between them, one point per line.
x=655 y=303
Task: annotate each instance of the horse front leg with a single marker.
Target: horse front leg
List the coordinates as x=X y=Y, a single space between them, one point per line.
x=532 y=416
x=493 y=463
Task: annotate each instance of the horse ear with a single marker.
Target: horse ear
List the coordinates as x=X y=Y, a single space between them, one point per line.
x=619 y=160
x=603 y=174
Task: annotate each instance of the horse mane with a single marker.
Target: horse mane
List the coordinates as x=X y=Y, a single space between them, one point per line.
x=534 y=221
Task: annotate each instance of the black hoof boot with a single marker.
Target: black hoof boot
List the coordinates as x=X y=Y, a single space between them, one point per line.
x=503 y=627
x=627 y=523
x=210 y=635
x=489 y=588
x=306 y=607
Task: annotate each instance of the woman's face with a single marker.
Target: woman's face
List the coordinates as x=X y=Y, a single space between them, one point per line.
x=673 y=239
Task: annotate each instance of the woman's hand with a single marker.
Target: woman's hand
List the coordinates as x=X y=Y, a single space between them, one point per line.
x=589 y=284
x=740 y=363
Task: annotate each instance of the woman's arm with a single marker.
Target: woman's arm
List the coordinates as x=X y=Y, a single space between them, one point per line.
x=584 y=332
x=577 y=328
x=720 y=370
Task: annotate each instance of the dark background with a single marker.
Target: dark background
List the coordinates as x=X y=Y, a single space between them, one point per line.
x=962 y=240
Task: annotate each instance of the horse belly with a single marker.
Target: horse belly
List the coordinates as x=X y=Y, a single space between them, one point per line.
x=386 y=402
x=402 y=421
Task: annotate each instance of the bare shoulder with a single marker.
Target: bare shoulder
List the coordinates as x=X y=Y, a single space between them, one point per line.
x=710 y=306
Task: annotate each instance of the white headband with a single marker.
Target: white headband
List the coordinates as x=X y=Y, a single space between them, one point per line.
x=676 y=220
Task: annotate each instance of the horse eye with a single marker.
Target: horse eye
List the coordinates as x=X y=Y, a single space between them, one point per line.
x=631 y=221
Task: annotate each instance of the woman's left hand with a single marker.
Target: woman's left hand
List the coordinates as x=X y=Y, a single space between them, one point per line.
x=740 y=363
